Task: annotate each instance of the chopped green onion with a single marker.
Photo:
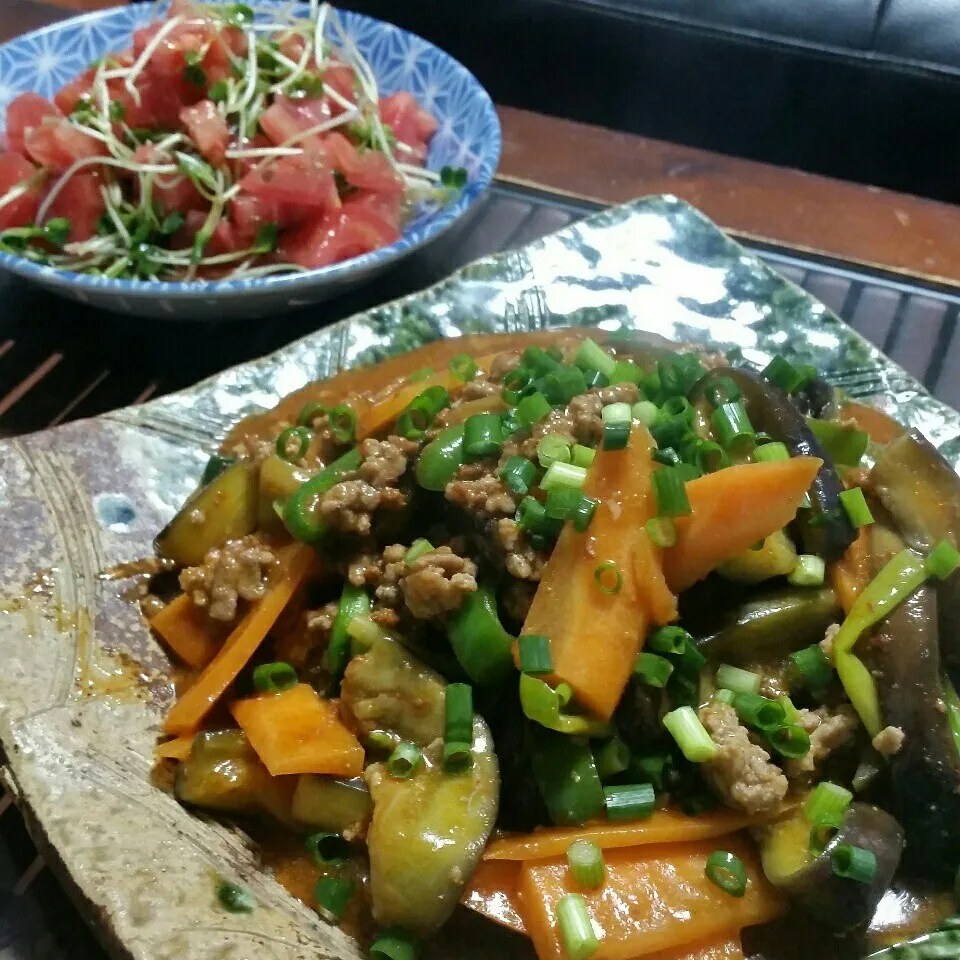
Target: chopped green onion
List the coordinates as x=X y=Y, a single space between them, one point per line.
x=234 y=898
x=814 y=667
x=482 y=436
x=576 y=931
x=563 y=475
x=422 y=411
x=585 y=859
x=625 y=371
x=791 y=715
x=821 y=833
x=274 y=677
x=457 y=756
x=215 y=466
x=563 y=384
x=854 y=863
x=679 y=373
x=733 y=427
x=652 y=669
x=630 y=802
x=691 y=660
x=650 y=768
x=691 y=736
x=516 y=384
x=790 y=741
x=608 y=577
x=710 y=456
x=662 y=531
x=724 y=696
x=552 y=448
x=532 y=516
x=562 y=503
x=343 y=423
x=583 y=515
x=518 y=474
x=722 y=390
x=669 y=640
x=670 y=493
x=458 y=709
x=463 y=366
x=668 y=457
x=332 y=894
x=393 y=946
x=737 y=680
x=616 y=413
x=827 y=802
x=327 y=849
x=535 y=655
x=594 y=379
x=670 y=431
x=533 y=408
x=616 y=435
x=680 y=408
x=300 y=435
x=942 y=560
x=855 y=505
x=783 y=374
x=417 y=549
x=582 y=456
x=759 y=712
x=646 y=412
x=611 y=758
x=809 y=571
x=404 y=760
x=726 y=870
x=590 y=356
x=542 y=704
x=843 y=444
x=310 y=414
x=772 y=452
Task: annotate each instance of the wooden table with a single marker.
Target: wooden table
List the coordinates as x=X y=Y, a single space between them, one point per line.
x=846 y=220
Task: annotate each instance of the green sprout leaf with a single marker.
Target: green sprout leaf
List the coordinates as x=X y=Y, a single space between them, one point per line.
x=219 y=92
x=455 y=178
x=57 y=231
x=266 y=238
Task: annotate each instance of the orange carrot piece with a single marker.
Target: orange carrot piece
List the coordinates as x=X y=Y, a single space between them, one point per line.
x=651 y=583
x=733 y=509
x=850 y=573
x=595 y=636
x=492 y=404
x=179 y=748
x=187 y=631
x=875 y=423
x=665 y=826
x=298 y=732
x=381 y=414
x=494 y=893
x=653 y=898
x=726 y=948
x=188 y=712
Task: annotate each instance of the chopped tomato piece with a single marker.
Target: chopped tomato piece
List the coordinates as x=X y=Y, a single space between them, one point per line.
x=24 y=113
x=66 y=97
x=249 y=213
x=81 y=202
x=411 y=124
x=174 y=192
x=57 y=144
x=367 y=170
x=21 y=210
x=284 y=119
x=336 y=236
x=305 y=180
x=386 y=206
x=340 y=78
x=224 y=238
x=208 y=129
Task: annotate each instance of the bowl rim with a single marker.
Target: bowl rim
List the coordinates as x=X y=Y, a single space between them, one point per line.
x=434 y=224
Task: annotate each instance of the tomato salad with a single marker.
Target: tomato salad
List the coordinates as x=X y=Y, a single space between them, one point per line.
x=219 y=146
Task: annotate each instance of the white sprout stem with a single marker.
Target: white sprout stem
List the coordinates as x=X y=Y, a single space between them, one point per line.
x=295 y=74
x=115 y=217
x=103 y=246
x=168 y=142
x=338 y=98
x=92 y=162
x=251 y=89
x=420 y=173
x=15 y=192
x=141 y=62
x=266 y=270
x=255 y=152
x=320 y=25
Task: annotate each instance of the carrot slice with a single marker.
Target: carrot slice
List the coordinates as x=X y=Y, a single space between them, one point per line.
x=188 y=712
x=665 y=826
x=494 y=892
x=726 y=948
x=298 y=732
x=187 y=631
x=492 y=404
x=595 y=635
x=733 y=509
x=875 y=423
x=653 y=898
x=379 y=415
x=179 y=748
x=651 y=583
x=850 y=573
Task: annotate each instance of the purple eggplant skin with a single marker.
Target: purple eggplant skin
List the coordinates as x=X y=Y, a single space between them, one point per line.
x=904 y=657
x=839 y=903
x=922 y=494
x=825 y=529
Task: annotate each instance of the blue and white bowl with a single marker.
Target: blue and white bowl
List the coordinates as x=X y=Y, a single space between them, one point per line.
x=468 y=136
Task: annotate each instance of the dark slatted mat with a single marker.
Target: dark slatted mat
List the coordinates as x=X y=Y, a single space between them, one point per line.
x=60 y=361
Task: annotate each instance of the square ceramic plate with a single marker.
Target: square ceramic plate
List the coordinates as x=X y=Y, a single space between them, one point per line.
x=83 y=684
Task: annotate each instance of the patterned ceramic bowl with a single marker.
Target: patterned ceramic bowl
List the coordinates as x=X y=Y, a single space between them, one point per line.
x=468 y=136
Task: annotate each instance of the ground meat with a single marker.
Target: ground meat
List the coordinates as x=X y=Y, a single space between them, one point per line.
x=478 y=388
x=889 y=741
x=828 y=731
x=826 y=644
x=437 y=583
x=236 y=571
x=321 y=621
x=348 y=506
x=773 y=677
x=477 y=488
x=385 y=461
x=742 y=772
x=503 y=363
x=258 y=448
x=522 y=560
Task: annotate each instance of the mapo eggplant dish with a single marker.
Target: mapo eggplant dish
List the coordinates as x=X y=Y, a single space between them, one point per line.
x=631 y=650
